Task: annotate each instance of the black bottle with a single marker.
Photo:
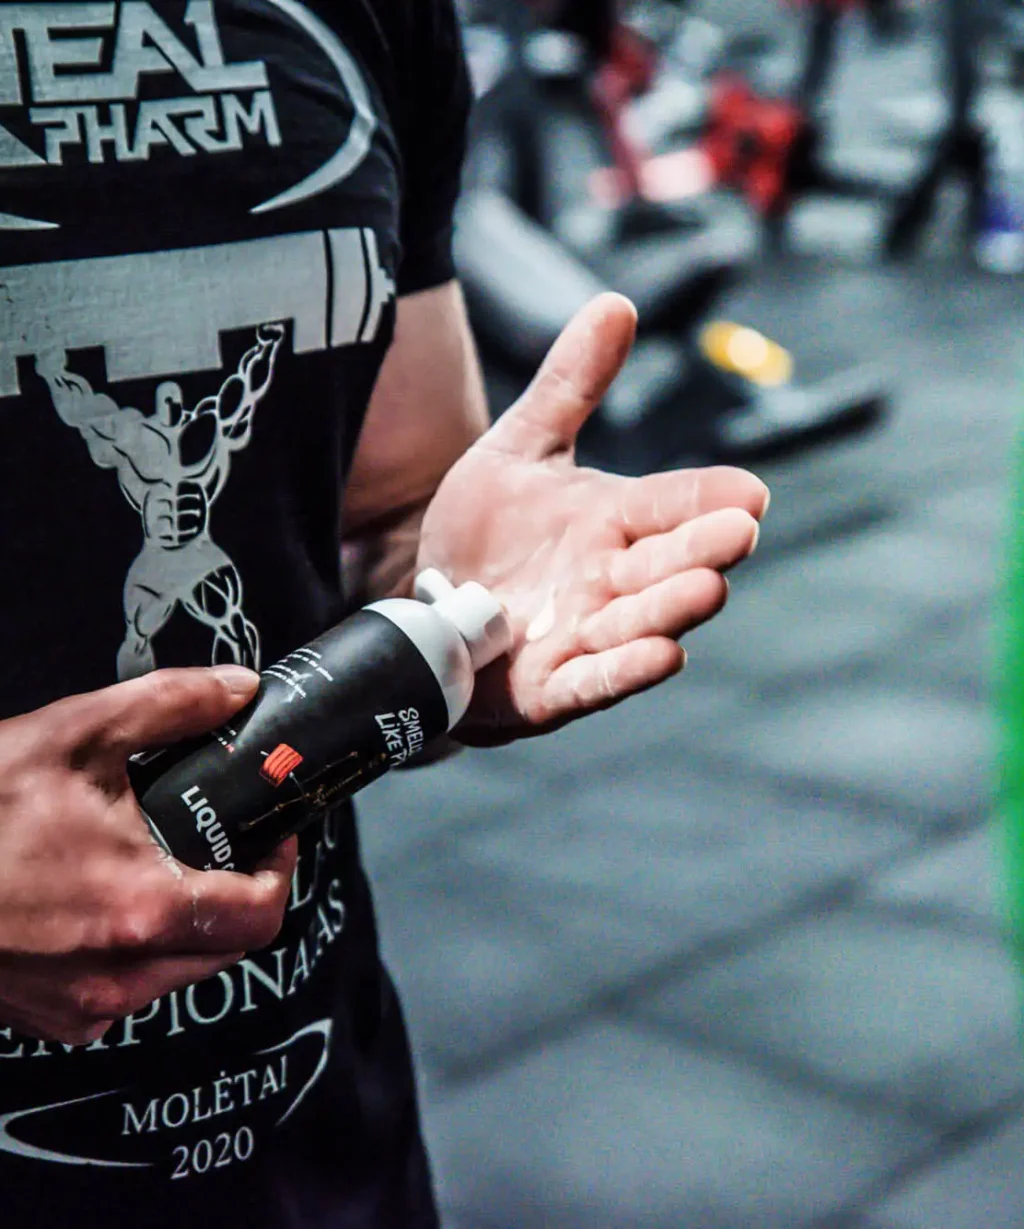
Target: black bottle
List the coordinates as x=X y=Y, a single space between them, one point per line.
x=327 y=720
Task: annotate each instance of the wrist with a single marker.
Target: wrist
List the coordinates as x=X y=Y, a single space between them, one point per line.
x=382 y=564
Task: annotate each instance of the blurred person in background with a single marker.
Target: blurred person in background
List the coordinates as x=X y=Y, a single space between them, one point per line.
x=233 y=341
x=969 y=146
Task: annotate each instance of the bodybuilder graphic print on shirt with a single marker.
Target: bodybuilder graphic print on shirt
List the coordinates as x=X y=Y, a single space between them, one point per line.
x=173 y=461
x=172 y=465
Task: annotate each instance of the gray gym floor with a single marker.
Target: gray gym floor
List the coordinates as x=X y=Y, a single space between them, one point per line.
x=730 y=957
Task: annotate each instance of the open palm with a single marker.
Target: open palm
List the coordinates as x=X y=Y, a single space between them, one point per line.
x=601 y=575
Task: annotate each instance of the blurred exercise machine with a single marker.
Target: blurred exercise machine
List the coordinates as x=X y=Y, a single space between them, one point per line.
x=535 y=241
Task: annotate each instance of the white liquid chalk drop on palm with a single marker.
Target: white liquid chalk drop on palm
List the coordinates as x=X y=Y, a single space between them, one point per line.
x=544 y=624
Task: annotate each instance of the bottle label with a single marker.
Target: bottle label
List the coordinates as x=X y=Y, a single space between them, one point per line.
x=328 y=720
x=403 y=734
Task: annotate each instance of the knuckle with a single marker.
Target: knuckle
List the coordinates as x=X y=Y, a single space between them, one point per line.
x=87 y=726
x=67 y=720
x=188 y=692
x=99 y=997
x=115 y=913
x=44 y=807
x=173 y=690
x=138 y=924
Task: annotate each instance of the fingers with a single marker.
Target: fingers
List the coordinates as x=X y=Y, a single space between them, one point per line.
x=158 y=708
x=571 y=383
x=631 y=644
x=165 y=908
x=118 y=992
x=588 y=683
x=159 y=939
x=718 y=540
x=66 y=1000
x=668 y=609
x=219 y=911
x=660 y=502
x=114 y=989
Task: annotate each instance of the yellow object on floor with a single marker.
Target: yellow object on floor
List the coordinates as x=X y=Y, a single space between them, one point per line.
x=746 y=353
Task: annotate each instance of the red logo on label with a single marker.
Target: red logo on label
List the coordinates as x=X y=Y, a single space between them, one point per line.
x=280 y=763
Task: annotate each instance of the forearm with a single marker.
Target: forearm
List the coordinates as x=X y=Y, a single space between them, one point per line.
x=380 y=560
x=428 y=408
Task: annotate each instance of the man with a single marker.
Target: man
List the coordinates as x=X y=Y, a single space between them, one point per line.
x=243 y=206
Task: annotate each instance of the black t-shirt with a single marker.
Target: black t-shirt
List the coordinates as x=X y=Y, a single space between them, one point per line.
x=208 y=208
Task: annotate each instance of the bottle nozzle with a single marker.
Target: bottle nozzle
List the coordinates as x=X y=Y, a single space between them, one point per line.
x=478 y=615
x=431 y=586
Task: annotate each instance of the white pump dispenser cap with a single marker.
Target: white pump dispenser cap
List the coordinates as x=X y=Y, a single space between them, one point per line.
x=478 y=616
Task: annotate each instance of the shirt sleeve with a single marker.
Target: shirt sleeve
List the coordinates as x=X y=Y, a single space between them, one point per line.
x=437 y=97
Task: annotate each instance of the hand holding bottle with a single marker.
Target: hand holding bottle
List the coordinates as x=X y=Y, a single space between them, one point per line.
x=329 y=718
x=95 y=920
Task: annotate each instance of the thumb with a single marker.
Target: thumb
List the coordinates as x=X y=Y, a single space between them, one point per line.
x=571 y=383
x=159 y=708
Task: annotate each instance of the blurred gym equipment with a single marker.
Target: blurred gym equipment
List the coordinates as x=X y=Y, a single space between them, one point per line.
x=555 y=210
x=775 y=143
